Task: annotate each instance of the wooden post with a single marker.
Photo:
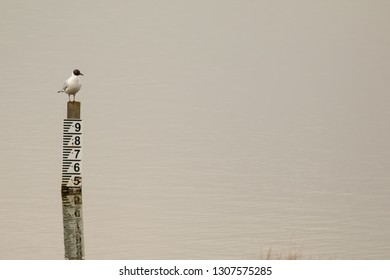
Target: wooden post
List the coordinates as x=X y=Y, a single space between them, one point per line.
x=73 y=110
x=71 y=187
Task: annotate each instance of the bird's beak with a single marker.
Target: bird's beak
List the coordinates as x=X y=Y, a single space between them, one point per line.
x=81 y=74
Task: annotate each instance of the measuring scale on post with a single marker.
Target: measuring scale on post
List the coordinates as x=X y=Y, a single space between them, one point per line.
x=72 y=155
x=71 y=189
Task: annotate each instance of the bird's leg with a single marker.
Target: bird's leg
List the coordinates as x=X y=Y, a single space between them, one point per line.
x=69 y=97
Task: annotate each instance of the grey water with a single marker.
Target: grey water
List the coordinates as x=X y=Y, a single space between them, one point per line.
x=212 y=129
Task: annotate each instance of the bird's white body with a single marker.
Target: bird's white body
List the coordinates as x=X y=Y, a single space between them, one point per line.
x=72 y=85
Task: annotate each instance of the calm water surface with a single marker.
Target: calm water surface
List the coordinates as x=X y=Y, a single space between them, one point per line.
x=212 y=130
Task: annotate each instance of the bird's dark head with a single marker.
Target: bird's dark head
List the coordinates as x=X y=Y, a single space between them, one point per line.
x=77 y=72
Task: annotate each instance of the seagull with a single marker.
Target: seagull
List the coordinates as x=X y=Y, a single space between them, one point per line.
x=72 y=85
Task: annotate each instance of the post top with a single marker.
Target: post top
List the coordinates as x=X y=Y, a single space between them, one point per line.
x=73 y=111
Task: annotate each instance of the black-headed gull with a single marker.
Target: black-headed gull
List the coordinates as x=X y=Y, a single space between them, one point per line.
x=72 y=85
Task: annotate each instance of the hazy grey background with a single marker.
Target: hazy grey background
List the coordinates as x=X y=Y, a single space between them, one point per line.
x=212 y=129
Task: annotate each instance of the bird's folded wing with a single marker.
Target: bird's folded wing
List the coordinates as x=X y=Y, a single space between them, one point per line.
x=65 y=86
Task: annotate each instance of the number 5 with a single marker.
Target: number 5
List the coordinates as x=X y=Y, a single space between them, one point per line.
x=77 y=180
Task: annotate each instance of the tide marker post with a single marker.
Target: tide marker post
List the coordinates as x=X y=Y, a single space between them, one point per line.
x=71 y=186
